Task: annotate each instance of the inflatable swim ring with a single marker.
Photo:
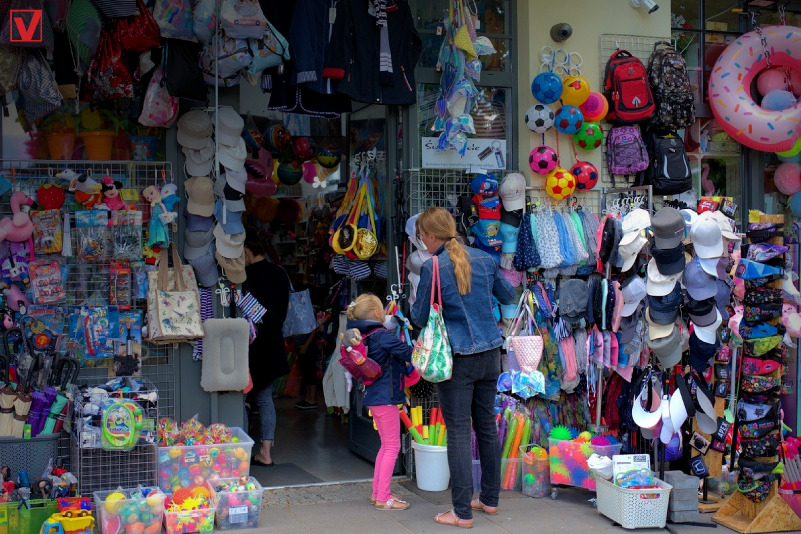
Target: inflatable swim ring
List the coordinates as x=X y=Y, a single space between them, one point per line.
x=730 y=90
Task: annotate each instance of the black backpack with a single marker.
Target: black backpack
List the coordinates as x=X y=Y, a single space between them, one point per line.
x=669 y=170
x=670 y=85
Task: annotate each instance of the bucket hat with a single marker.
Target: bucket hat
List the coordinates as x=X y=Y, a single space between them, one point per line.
x=513 y=191
x=659 y=284
x=194 y=129
x=699 y=284
x=229 y=126
x=667 y=350
x=707 y=238
x=200 y=196
x=668 y=227
x=233 y=268
x=633 y=293
x=229 y=245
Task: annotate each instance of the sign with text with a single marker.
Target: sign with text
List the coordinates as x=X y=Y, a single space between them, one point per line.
x=26 y=25
x=480 y=154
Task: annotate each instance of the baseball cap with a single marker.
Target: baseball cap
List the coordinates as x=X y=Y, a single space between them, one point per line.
x=196 y=243
x=513 y=191
x=509 y=235
x=194 y=129
x=702 y=312
x=199 y=162
x=488 y=232
x=647 y=408
x=196 y=223
x=205 y=267
x=659 y=284
x=233 y=157
x=631 y=326
x=724 y=223
x=665 y=309
x=229 y=245
x=229 y=126
x=710 y=265
x=722 y=298
x=236 y=178
x=701 y=352
x=698 y=283
x=233 y=268
x=633 y=293
x=231 y=222
x=489 y=207
x=667 y=350
x=573 y=295
x=484 y=184
x=668 y=261
x=493 y=251
x=668 y=227
x=633 y=223
x=200 y=195
x=629 y=251
x=709 y=333
x=657 y=330
x=667 y=430
x=707 y=238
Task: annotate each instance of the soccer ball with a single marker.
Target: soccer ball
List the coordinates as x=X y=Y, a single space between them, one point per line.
x=546 y=87
x=586 y=175
x=568 y=119
x=543 y=159
x=539 y=118
x=575 y=90
x=560 y=184
x=590 y=136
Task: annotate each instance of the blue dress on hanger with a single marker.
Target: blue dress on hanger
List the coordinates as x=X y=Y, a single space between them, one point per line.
x=157 y=235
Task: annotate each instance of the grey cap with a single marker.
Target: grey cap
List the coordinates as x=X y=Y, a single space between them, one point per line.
x=698 y=283
x=667 y=349
x=573 y=295
x=668 y=227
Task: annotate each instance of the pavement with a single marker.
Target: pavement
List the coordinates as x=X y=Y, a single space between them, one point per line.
x=346 y=508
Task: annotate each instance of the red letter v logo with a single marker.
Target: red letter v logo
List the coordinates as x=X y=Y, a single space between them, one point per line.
x=26 y=35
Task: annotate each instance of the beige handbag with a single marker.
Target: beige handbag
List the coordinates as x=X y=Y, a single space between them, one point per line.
x=173 y=305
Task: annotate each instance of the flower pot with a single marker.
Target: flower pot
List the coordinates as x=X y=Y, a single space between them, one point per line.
x=60 y=145
x=98 y=144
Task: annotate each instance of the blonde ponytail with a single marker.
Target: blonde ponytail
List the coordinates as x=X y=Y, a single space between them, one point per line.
x=439 y=223
x=365 y=307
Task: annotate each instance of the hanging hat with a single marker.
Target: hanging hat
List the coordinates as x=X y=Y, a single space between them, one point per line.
x=513 y=191
x=707 y=239
x=668 y=227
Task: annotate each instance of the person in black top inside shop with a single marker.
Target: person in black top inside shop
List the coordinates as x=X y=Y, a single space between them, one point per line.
x=269 y=284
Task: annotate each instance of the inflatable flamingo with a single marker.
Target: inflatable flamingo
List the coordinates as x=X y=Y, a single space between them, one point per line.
x=706 y=183
x=18 y=227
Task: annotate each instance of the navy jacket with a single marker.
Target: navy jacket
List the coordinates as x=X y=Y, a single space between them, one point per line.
x=391 y=354
x=469 y=319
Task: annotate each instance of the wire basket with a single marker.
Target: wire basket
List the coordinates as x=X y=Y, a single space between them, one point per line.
x=634 y=508
x=100 y=470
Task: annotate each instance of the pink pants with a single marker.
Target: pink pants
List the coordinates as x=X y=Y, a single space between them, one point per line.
x=387 y=421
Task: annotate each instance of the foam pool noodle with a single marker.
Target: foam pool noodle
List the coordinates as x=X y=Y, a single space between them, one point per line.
x=560 y=433
x=412 y=430
x=526 y=431
x=510 y=435
x=511 y=466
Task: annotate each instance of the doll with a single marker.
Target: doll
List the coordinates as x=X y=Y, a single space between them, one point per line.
x=111 y=194
x=170 y=198
x=160 y=217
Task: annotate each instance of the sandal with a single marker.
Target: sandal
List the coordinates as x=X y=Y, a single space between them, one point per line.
x=476 y=504
x=392 y=504
x=450 y=518
x=373 y=499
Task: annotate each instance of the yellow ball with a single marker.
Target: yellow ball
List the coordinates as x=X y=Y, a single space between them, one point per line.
x=113 y=502
x=575 y=90
x=560 y=184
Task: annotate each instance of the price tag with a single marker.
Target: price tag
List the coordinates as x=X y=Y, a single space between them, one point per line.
x=439 y=30
x=237 y=514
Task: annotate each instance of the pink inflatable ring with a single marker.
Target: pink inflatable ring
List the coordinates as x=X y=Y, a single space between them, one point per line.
x=730 y=90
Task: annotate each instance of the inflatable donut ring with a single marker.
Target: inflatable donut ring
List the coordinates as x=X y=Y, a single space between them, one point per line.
x=730 y=90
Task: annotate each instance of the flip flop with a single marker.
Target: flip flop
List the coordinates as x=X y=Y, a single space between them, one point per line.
x=450 y=518
x=253 y=461
x=479 y=506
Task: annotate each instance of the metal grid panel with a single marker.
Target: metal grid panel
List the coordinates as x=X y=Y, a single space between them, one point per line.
x=640 y=46
x=99 y=470
x=89 y=282
x=436 y=187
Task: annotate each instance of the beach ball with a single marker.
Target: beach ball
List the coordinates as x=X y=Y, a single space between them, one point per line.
x=543 y=159
x=586 y=175
x=290 y=172
x=560 y=184
x=328 y=156
x=590 y=136
x=303 y=148
x=568 y=119
x=575 y=90
x=277 y=138
x=788 y=178
x=772 y=80
x=595 y=108
x=546 y=87
x=778 y=100
x=539 y=118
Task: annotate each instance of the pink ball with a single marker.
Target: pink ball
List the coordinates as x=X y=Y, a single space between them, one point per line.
x=771 y=80
x=309 y=172
x=788 y=178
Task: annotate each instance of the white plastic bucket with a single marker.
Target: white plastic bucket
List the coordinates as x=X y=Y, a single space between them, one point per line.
x=431 y=467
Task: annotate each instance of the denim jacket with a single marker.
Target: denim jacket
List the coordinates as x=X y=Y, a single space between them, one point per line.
x=391 y=354
x=469 y=319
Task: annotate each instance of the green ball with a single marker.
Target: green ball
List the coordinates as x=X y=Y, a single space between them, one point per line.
x=590 y=136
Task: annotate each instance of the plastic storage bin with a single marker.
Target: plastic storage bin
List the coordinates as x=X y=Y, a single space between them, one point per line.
x=16 y=520
x=129 y=515
x=183 y=467
x=511 y=474
x=238 y=509
x=30 y=455
x=568 y=461
x=536 y=477
x=634 y=508
x=189 y=521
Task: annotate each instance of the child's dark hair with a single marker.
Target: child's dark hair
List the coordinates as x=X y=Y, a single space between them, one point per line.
x=255 y=241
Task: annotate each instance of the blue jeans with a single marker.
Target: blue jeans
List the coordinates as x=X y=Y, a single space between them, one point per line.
x=471 y=393
x=264 y=399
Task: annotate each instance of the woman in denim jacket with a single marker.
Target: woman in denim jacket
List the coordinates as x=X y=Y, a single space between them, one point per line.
x=469 y=279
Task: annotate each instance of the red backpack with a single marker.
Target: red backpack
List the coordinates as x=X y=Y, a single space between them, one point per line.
x=627 y=90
